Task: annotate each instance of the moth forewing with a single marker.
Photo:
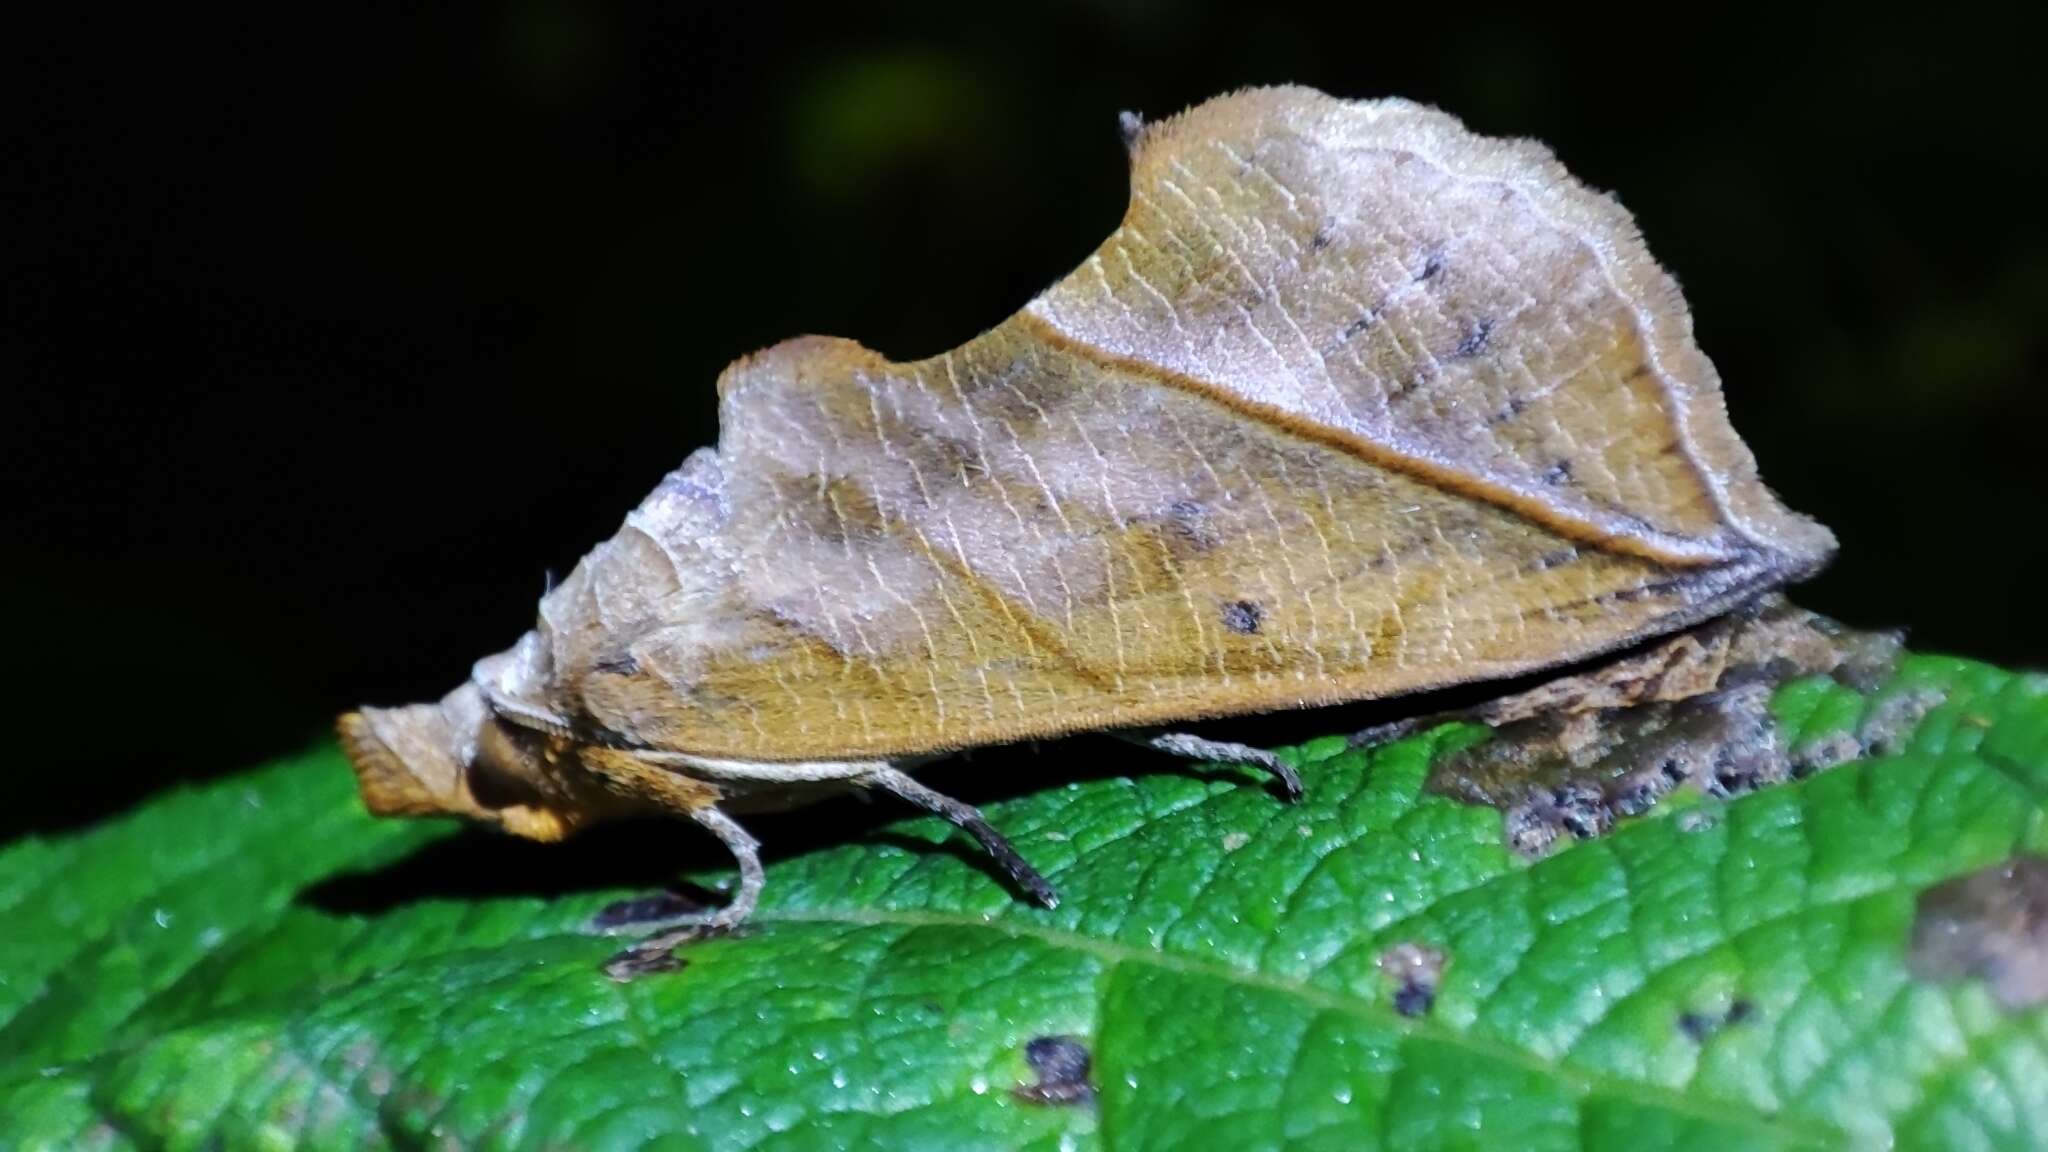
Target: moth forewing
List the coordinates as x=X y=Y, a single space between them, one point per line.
x=1354 y=403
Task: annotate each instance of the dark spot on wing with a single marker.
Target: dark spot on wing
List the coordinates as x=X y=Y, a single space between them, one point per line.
x=1062 y=1064
x=950 y=457
x=1991 y=925
x=621 y=665
x=1243 y=617
x=1557 y=473
x=844 y=511
x=1641 y=591
x=1475 y=340
x=1364 y=321
x=1432 y=263
x=1320 y=240
x=1186 y=527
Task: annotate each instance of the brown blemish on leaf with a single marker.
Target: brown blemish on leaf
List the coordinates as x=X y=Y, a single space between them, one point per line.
x=640 y=961
x=1991 y=925
x=1697 y=1026
x=1062 y=1065
x=1415 y=970
x=1700 y=1027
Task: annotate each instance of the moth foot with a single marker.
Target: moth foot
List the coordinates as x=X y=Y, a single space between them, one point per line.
x=968 y=819
x=682 y=919
x=657 y=954
x=1188 y=746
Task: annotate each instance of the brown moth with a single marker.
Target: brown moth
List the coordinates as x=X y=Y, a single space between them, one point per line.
x=1354 y=403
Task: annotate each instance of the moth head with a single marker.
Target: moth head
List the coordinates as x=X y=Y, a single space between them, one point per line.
x=453 y=758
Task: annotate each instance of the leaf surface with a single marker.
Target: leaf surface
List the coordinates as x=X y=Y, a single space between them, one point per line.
x=1724 y=974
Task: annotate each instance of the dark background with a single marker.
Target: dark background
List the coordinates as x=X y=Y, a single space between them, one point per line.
x=327 y=336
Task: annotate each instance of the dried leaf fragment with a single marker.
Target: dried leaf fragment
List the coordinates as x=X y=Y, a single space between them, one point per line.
x=1990 y=925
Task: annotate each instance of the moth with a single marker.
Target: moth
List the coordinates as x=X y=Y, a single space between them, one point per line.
x=1354 y=403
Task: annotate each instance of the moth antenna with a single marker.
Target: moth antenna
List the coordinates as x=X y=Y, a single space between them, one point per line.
x=1188 y=746
x=969 y=819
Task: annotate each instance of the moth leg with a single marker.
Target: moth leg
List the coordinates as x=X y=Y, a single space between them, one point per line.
x=969 y=819
x=761 y=772
x=654 y=954
x=1189 y=746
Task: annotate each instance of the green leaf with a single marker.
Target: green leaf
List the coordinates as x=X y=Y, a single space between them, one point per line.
x=1715 y=975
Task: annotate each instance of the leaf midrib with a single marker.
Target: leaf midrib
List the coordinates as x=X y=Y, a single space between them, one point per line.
x=1724 y=1113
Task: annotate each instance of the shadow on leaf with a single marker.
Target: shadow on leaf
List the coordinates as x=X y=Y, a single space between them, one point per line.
x=654 y=854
